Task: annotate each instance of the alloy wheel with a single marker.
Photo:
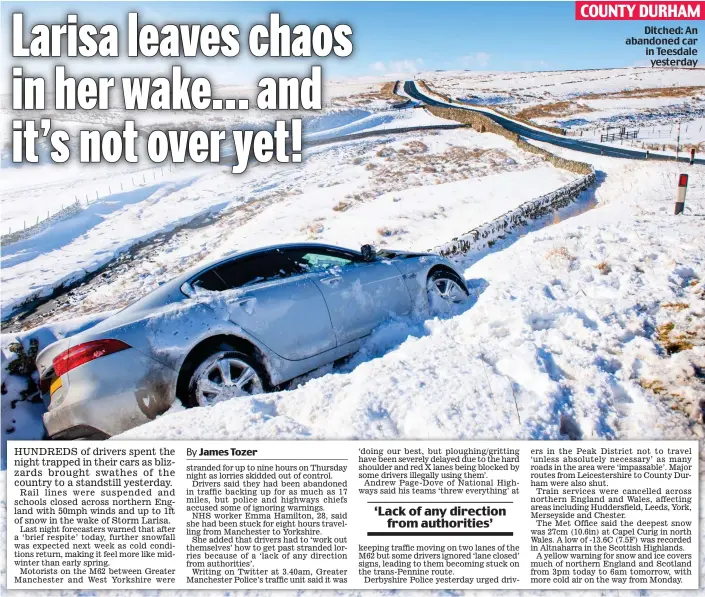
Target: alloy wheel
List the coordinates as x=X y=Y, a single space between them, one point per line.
x=222 y=377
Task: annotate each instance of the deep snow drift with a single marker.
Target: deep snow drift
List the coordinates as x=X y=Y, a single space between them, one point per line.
x=563 y=338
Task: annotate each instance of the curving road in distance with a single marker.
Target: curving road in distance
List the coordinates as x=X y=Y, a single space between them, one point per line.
x=413 y=90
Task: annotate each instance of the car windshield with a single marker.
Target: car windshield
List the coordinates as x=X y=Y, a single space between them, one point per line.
x=321 y=260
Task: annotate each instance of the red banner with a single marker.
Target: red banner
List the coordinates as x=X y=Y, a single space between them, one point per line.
x=639 y=11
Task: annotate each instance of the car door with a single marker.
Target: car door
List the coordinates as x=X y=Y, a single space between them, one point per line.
x=269 y=298
x=360 y=295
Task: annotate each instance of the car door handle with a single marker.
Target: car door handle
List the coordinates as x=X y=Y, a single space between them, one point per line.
x=332 y=280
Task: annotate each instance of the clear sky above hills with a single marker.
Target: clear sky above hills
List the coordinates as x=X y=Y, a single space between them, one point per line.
x=389 y=37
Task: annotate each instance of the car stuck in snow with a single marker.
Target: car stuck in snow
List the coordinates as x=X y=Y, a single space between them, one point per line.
x=237 y=327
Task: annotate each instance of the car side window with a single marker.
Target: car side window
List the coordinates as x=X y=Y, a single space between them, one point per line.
x=321 y=260
x=246 y=271
x=256 y=269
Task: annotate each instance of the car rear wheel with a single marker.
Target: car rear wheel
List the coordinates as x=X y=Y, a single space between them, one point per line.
x=225 y=374
x=445 y=289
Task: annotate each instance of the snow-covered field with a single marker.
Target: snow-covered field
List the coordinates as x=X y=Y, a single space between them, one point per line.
x=652 y=100
x=560 y=339
x=336 y=182
x=561 y=84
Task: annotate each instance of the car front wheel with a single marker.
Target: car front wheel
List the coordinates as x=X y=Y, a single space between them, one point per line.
x=225 y=374
x=445 y=289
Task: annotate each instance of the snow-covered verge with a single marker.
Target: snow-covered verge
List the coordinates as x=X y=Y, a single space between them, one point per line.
x=564 y=338
x=380 y=121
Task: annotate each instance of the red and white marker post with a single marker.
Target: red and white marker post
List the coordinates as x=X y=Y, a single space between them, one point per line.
x=680 y=197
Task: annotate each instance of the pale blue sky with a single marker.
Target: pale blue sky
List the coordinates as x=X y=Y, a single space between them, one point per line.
x=388 y=36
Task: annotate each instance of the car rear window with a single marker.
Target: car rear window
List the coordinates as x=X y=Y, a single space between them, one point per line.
x=210 y=280
x=247 y=271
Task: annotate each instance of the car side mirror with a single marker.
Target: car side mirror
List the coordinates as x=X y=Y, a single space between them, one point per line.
x=369 y=253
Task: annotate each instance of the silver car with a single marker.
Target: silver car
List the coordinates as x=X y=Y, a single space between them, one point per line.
x=240 y=326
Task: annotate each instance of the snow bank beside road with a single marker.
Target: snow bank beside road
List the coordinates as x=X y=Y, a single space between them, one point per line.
x=561 y=341
x=380 y=121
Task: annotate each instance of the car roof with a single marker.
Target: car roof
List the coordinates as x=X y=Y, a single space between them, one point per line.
x=199 y=269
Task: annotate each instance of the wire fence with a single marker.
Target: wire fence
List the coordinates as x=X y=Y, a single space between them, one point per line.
x=644 y=131
x=80 y=201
